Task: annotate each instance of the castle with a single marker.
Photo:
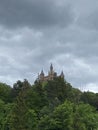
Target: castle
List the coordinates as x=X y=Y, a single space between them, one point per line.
x=51 y=75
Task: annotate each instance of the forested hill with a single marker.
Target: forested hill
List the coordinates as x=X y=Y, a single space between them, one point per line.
x=51 y=105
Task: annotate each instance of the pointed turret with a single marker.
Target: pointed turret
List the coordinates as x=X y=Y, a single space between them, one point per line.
x=51 y=73
x=42 y=73
x=62 y=74
x=41 y=76
x=51 y=68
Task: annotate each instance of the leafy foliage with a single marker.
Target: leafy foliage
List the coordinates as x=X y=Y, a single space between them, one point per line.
x=5 y=92
x=51 y=105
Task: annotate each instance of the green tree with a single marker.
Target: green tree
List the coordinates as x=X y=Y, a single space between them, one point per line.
x=21 y=116
x=1 y=113
x=90 y=98
x=57 y=91
x=37 y=98
x=74 y=95
x=70 y=116
x=85 y=117
x=5 y=110
x=5 y=92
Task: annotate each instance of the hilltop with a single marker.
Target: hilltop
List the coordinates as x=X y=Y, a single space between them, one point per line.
x=48 y=105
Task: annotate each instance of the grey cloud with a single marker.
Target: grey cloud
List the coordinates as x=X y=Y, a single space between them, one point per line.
x=77 y=71
x=34 y=52
x=90 y=20
x=34 y=13
x=24 y=51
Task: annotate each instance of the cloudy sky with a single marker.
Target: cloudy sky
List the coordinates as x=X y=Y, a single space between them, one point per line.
x=35 y=33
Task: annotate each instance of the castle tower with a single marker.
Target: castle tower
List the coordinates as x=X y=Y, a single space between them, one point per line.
x=51 y=73
x=51 y=68
x=41 y=76
x=62 y=74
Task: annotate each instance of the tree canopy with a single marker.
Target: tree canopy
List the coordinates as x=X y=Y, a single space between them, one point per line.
x=51 y=105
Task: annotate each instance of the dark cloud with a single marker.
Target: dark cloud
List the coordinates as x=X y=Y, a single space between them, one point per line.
x=90 y=21
x=34 y=33
x=34 y=13
x=89 y=16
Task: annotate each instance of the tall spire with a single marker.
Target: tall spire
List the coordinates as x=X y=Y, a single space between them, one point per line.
x=51 y=67
x=41 y=76
x=42 y=73
x=62 y=74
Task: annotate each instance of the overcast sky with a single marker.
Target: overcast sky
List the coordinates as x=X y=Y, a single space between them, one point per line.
x=35 y=33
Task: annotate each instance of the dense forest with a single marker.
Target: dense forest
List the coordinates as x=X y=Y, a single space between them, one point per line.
x=51 y=105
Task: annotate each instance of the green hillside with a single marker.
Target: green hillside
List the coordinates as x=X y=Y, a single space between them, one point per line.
x=50 y=105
